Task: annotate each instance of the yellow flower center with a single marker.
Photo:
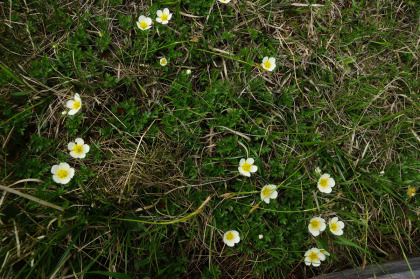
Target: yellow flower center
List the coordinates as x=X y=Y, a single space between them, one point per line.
x=62 y=173
x=313 y=256
x=411 y=192
x=267 y=192
x=323 y=182
x=78 y=149
x=246 y=167
x=230 y=236
x=315 y=224
x=76 y=105
x=267 y=64
x=143 y=25
x=334 y=226
x=164 y=17
x=163 y=62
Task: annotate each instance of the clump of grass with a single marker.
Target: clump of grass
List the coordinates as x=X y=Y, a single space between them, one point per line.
x=160 y=185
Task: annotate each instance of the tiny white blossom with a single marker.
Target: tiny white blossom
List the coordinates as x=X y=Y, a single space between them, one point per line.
x=163 y=61
x=269 y=63
x=144 y=23
x=74 y=105
x=188 y=72
x=246 y=167
x=62 y=173
x=163 y=16
x=314 y=257
x=336 y=227
x=260 y=236
x=269 y=192
x=316 y=226
x=231 y=238
x=78 y=149
x=325 y=183
x=317 y=170
x=224 y=1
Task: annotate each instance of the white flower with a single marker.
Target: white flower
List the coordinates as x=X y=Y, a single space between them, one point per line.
x=336 y=227
x=62 y=173
x=64 y=112
x=326 y=183
x=78 y=149
x=163 y=17
x=144 y=23
x=269 y=192
x=382 y=173
x=246 y=167
x=230 y=238
x=260 y=236
x=317 y=170
x=316 y=226
x=74 y=105
x=188 y=72
x=324 y=252
x=224 y=1
x=314 y=256
x=163 y=61
x=269 y=63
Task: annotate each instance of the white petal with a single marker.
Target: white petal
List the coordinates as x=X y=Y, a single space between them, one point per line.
x=267 y=200
x=250 y=161
x=230 y=243
x=86 y=148
x=71 y=173
x=331 y=182
x=70 y=104
x=159 y=13
x=158 y=19
x=142 y=18
x=323 y=226
x=265 y=59
x=241 y=162
x=166 y=11
x=56 y=179
x=71 y=145
x=334 y=220
x=341 y=224
x=165 y=22
x=77 y=97
x=65 y=180
x=326 y=190
x=64 y=166
x=73 y=111
x=149 y=21
x=272 y=60
x=316 y=263
x=169 y=16
x=79 y=141
x=321 y=256
x=138 y=24
x=73 y=154
x=247 y=174
x=54 y=169
x=325 y=175
x=274 y=195
x=253 y=168
x=313 y=232
x=83 y=155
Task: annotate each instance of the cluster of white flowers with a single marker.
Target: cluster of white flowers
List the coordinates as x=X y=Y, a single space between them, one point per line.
x=314 y=256
x=63 y=173
x=317 y=225
x=163 y=17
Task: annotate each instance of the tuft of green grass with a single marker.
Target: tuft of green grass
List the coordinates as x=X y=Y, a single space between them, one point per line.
x=160 y=185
